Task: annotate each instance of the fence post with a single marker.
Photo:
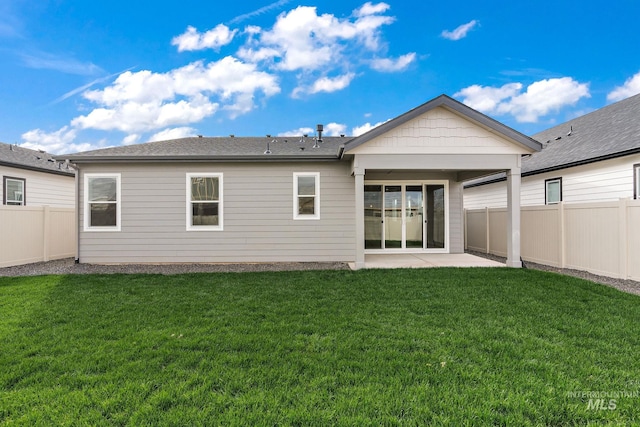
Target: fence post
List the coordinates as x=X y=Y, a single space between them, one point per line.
x=486 y=226
x=46 y=218
x=623 y=248
x=561 y=236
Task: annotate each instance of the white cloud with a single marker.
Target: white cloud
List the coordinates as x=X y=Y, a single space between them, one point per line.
x=328 y=84
x=539 y=99
x=322 y=52
x=324 y=84
x=146 y=101
x=359 y=130
x=173 y=133
x=331 y=129
x=131 y=139
x=390 y=65
x=215 y=38
x=57 y=142
x=63 y=64
x=486 y=98
x=303 y=40
x=139 y=117
x=630 y=87
x=298 y=132
x=335 y=129
x=460 y=32
x=371 y=9
x=259 y=11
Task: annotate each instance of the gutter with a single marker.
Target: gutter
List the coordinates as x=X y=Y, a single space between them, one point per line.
x=200 y=159
x=34 y=168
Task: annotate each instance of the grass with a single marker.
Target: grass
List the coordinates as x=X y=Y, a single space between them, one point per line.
x=387 y=347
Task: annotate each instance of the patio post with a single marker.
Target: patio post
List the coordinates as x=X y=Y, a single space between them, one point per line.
x=513 y=218
x=359 y=183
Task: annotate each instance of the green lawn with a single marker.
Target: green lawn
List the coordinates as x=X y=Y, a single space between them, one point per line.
x=387 y=347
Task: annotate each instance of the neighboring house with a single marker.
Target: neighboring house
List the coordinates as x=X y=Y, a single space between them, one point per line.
x=34 y=178
x=37 y=215
x=395 y=189
x=595 y=157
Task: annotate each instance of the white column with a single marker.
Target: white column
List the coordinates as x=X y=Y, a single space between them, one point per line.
x=359 y=183
x=513 y=218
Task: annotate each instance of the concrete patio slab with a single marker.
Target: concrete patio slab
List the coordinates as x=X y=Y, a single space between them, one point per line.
x=426 y=261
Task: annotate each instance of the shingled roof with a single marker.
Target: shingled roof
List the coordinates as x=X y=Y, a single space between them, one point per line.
x=220 y=149
x=24 y=158
x=612 y=131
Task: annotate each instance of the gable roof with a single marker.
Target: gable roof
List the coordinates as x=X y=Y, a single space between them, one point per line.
x=220 y=149
x=612 y=131
x=455 y=106
x=14 y=156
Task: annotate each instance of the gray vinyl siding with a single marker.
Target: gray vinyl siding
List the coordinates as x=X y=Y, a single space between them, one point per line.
x=258 y=216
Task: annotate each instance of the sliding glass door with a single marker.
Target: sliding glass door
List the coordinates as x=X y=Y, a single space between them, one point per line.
x=373 y=217
x=435 y=222
x=393 y=216
x=404 y=216
x=414 y=220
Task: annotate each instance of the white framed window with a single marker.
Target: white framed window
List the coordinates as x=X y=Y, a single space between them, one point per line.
x=13 y=191
x=306 y=195
x=553 y=191
x=636 y=181
x=102 y=202
x=204 y=201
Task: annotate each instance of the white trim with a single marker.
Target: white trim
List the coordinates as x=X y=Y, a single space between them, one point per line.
x=14 y=202
x=558 y=181
x=190 y=226
x=118 y=202
x=636 y=174
x=447 y=217
x=316 y=200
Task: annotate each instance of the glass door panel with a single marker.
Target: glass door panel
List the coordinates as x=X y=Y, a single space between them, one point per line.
x=392 y=216
x=435 y=223
x=413 y=216
x=373 y=216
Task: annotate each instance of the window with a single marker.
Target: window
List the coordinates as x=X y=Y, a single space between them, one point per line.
x=102 y=202
x=204 y=201
x=553 y=191
x=636 y=180
x=306 y=195
x=13 y=191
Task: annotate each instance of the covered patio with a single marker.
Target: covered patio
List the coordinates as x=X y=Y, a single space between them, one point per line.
x=408 y=184
x=424 y=260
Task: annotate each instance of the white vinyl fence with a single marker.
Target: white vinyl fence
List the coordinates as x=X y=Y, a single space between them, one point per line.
x=602 y=238
x=36 y=233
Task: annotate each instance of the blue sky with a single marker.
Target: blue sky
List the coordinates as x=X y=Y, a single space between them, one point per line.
x=79 y=75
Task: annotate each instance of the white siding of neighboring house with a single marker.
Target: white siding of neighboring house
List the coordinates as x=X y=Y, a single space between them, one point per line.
x=258 y=216
x=43 y=188
x=602 y=181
